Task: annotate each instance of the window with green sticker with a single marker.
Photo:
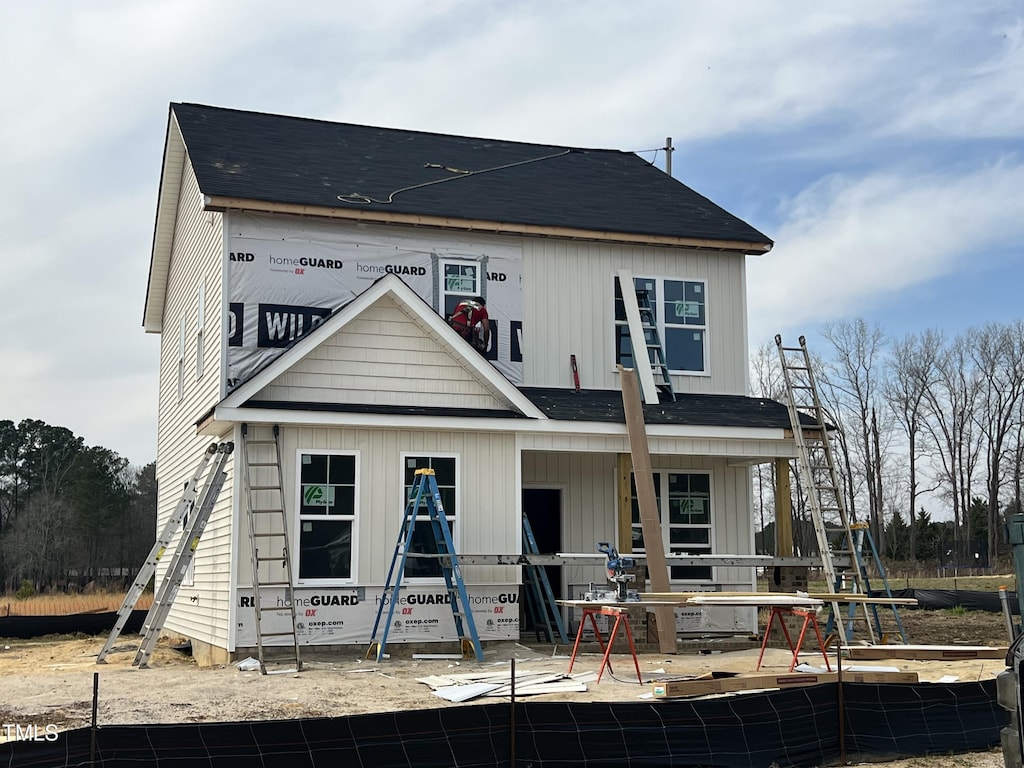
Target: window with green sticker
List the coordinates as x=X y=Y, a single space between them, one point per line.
x=684 y=508
x=327 y=513
x=679 y=308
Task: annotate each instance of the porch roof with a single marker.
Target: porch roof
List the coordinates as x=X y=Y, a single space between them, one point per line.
x=605 y=405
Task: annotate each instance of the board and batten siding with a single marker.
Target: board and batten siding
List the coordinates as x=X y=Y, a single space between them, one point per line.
x=201 y=610
x=382 y=357
x=589 y=502
x=487 y=506
x=568 y=309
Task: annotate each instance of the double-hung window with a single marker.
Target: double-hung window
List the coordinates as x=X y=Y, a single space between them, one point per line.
x=680 y=314
x=327 y=515
x=684 y=500
x=459 y=280
x=423 y=541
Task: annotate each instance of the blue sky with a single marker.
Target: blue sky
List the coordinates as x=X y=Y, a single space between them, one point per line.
x=878 y=143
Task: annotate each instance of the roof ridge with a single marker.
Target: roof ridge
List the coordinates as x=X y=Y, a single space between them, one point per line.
x=410 y=131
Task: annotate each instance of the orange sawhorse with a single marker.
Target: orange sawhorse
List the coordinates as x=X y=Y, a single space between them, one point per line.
x=810 y=620
x=621 y=619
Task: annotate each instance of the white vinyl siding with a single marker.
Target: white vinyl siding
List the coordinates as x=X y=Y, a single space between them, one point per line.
x=382 y=357
x=487 y=495
x=201 y=610
x=555 y=270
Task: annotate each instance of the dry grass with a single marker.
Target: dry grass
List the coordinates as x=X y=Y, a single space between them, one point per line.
x=64 y=605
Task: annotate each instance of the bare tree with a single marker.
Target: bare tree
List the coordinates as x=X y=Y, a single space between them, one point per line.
x=949 y=422
x=766 y=381
x=912 y=371
x=997 y=352
x=855 y=372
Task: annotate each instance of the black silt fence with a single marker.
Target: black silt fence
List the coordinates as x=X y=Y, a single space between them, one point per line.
x=797 y=727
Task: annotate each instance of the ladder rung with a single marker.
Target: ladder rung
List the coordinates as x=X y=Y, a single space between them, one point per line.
x=267 y=511
x=274 y=583
x=276 y=634
x=276 y=608
x=264 y=488
x=260 y=442
x=279 y=535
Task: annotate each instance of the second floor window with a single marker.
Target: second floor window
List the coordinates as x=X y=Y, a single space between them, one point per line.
x=459 y=280
x=680 y=312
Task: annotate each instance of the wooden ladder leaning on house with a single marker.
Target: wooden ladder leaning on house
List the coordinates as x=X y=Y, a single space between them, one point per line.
x=269 y=548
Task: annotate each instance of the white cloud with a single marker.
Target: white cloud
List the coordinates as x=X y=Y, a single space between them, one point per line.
x=848 y=244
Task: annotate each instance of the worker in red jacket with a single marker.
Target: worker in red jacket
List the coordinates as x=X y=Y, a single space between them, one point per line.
x=471 y=322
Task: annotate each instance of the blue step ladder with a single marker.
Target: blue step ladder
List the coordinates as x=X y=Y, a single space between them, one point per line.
x=540 y=599
x=425 y=494
x=861 y=531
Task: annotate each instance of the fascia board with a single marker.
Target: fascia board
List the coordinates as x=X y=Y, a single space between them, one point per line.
x=483 y=424
x=163 y=226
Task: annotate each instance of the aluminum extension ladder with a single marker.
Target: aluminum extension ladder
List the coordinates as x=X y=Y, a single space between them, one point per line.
x=269 y=545
x=643 y=334
x=183 y=556
x=424 y=493
x=163 y=541
x=817 y=466
x=540 y=597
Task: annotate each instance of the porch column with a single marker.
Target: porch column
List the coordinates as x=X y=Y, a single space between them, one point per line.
x=783 y=510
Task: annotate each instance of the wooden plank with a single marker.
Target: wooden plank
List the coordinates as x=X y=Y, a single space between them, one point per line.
x=923 y=652
x=827 y=597
x=650 y=523
x=674 y=688
x=638 y=341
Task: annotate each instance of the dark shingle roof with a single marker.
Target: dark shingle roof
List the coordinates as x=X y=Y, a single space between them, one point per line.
x=688 y=410
x=278 y=159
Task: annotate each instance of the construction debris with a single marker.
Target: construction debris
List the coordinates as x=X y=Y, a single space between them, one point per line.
x=470 y=685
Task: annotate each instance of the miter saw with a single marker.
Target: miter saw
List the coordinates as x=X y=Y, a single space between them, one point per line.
x=617 y=575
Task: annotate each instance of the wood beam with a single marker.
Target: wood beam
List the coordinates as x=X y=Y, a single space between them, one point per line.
x=783 y=510
x=650 y=523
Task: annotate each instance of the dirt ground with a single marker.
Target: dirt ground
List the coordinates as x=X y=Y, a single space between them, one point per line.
x=50 y=680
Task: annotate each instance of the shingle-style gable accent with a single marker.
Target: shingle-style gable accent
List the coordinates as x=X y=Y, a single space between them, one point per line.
x=287 y=160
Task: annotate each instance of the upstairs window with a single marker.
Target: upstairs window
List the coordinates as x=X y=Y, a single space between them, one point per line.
x=459 y=280
x=680 y=313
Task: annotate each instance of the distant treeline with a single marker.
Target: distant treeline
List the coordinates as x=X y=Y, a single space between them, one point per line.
x=70 y=514
x=923 y=420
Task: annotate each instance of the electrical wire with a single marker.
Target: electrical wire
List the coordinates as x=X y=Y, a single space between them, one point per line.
x=355 y=198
